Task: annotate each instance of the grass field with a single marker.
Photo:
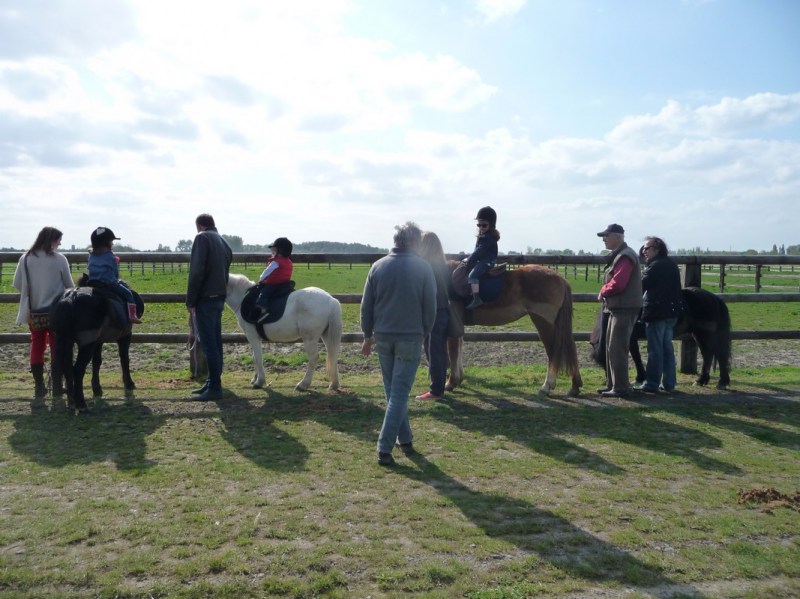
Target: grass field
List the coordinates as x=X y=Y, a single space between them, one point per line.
x=275 y=493
x=350 y=279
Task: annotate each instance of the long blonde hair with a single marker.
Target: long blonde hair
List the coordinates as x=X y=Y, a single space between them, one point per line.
x=431 y=248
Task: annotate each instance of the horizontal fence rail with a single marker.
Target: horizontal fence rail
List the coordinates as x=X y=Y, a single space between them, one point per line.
x=693 y=268
x=355 y=298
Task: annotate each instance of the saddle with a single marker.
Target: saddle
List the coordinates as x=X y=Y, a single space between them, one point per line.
x=118 y=306
x=277 y=304
x=491 y=282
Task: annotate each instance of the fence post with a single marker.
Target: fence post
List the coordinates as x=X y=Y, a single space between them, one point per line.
x=691 y=278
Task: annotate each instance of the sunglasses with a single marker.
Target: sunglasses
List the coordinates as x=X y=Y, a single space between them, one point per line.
x=483 y=225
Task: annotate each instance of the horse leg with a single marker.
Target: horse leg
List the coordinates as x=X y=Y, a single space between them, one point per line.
x=704 y=344
x=724 y=381
x=312 y=351
x=62 y=367
x=85 y=354
x=333 y=342
x=454 y=352
x=97 y=362
x=259 y=378
x=124 y=348
x=636 y=356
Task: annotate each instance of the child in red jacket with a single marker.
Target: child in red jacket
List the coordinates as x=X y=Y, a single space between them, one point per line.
x=279 y=270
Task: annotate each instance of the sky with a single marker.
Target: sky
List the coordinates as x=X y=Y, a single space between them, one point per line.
x=335 y=120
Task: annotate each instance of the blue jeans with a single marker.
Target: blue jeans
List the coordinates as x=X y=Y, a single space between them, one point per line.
x=399 y=361
x=660 y=354
x=480 y=269
x=208 y=317
x=436 y=351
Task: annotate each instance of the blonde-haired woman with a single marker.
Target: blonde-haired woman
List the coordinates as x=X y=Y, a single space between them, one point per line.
x=41 y=277
x=436 y=342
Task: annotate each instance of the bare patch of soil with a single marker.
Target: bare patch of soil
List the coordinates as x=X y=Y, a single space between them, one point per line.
x=161 y=357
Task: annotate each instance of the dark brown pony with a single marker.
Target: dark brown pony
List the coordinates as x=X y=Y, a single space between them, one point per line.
x=546 y=297
x=85 y=317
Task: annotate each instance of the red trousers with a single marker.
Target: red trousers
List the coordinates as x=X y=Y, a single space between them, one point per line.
x=39 y=341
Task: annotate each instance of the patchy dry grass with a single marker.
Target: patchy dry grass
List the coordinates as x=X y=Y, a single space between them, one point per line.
x=277 y=494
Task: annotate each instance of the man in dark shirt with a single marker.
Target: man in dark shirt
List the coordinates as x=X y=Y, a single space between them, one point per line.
x=205 y=298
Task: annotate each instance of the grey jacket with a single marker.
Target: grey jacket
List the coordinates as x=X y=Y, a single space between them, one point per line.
x=209 y=267
x=399 y=296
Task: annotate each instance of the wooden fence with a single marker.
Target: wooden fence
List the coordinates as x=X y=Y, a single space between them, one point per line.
x=693 y=267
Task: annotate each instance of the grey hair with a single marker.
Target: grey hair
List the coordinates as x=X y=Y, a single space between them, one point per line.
x=407 y=236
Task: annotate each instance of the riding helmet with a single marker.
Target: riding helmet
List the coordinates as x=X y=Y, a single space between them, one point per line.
x=102 y=236
x=283 y=245
x=487 y=213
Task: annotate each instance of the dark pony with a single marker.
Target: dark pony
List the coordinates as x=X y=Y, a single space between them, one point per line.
x=544 y=296
x=86 y=317
x=705 y=318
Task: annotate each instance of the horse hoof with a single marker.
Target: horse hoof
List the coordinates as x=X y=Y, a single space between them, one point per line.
x=300 y=387
x=574 y=393
x=449 y=387
x=543 y=392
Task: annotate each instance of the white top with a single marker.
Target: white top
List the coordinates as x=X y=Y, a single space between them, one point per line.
x=50 y=276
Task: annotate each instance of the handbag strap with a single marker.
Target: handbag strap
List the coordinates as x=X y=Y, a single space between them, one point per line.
x=28 y=278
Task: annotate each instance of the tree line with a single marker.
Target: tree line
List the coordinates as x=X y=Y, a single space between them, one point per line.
x=337 y=247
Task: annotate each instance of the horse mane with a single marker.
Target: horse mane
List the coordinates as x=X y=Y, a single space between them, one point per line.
x=239 y=282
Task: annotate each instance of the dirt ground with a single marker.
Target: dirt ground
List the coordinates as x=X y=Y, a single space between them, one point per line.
x=746 y=354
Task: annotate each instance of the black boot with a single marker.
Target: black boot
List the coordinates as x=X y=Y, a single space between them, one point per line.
x=476 y=301
x=40 y=390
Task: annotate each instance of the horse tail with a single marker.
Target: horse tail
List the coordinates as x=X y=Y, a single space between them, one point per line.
x=724 y=337
x=565 y=354
x=62 y=324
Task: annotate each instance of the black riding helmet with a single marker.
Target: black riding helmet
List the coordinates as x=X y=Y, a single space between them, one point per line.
x=283 y=245
x=102 y=236
x=487 y=213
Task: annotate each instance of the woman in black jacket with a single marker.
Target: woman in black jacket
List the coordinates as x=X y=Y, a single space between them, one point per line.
x=662 y=305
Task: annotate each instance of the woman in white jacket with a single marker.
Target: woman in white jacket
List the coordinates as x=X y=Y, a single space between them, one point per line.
x=41 y=277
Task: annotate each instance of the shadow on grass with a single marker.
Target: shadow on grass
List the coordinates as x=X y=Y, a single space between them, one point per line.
x=746 y=414
x=111 y=432
x=543 y=430
x=540 y=532
x=252 y=433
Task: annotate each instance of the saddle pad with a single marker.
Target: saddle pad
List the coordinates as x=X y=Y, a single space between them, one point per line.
x=118 y=305
x=491 y=283
x=277 y=304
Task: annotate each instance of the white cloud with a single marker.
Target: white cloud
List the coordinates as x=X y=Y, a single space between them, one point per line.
x=493 y=10
x=280 y=119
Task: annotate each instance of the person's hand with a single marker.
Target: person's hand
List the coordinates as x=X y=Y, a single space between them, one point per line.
x=599 y=297
x=366 y=347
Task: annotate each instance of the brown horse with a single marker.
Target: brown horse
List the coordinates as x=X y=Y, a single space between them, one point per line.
x=546 y=297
